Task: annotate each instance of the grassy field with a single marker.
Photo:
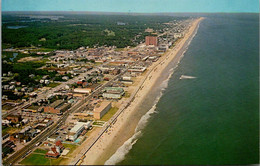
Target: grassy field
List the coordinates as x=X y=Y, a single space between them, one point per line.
x=36 y=159
x=40 y=159
x=109 y=114
x=7 y=107
x=99 y=123
x=34 y=107
x=97 y=63
x=71 y=147
x=44 y=50
x=53 y=84
x=40 y=151
x=6 y=130
x=56 y=161
x=127 y=95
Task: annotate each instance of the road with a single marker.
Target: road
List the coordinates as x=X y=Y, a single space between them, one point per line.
x=42 y=136
x=44 y=94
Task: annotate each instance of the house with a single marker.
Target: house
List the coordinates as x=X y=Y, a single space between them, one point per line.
x=46 y=81
x=13 y=137
x=12 y=87
x=25 y=121
x=14 y=118
x=7 y=148
x=5 y=122
x=54 y=138
x=65 y=78
x=54 y=152
x=25 y=130
x=32 y=133
x=46 y=122
x=24 y=138
x=46 y=144
x=116 y=71
x=60 y=145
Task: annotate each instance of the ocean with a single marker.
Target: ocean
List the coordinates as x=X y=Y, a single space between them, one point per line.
x=209 y=118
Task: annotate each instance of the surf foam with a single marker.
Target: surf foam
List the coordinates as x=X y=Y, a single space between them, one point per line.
x=119 y=155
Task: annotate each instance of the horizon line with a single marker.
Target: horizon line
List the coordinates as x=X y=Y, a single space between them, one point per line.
x=135 y=12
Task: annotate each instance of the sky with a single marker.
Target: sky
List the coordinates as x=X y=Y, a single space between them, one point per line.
x=138 y=6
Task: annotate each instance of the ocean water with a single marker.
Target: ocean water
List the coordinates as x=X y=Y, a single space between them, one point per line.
x=213 y=118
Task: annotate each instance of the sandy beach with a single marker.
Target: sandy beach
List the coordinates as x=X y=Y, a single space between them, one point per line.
x=124 y=126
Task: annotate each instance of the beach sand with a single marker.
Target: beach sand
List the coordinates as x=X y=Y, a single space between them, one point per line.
x=126 y=122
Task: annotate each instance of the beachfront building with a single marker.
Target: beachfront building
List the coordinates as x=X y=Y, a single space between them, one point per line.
x=163 y=47
x=151 y=40
x=113 y=92
x=136 y=69
x=101 y=109
x=76 y=130
x=55 y=151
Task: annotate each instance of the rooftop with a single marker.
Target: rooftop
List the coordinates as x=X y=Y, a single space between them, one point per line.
x=56 y=103
x=100 y=107
x=78 y=126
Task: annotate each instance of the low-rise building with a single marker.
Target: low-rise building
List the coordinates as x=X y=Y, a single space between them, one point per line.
x=82 y=90
x=14 y=118
x=7 y=148
x=136 y=69
x=113 y=92
x=76 y=130
x=54 y=138
x=54 y=152
x=57 y=107
x=45 y=123
x=163 y=47
x=101 y=109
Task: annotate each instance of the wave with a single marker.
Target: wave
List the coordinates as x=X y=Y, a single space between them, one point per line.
x=119 y=155
x=186 y=77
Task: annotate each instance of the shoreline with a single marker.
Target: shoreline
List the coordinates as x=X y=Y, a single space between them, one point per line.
x=124 y=127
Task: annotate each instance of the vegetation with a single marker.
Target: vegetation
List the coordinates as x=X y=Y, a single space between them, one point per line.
x=76 y=30
x=99 y=123
x=40 y=159
x=25 y=69
x=127 y=95
x=52 y=85
x=36 y=159
x=71 y=147
x=40 y=151
x=6 y=130
x=109 y=114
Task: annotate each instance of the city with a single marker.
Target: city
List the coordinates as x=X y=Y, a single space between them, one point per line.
x=77 y=98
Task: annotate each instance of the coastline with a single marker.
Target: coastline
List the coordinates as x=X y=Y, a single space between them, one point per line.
x=126 y=122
